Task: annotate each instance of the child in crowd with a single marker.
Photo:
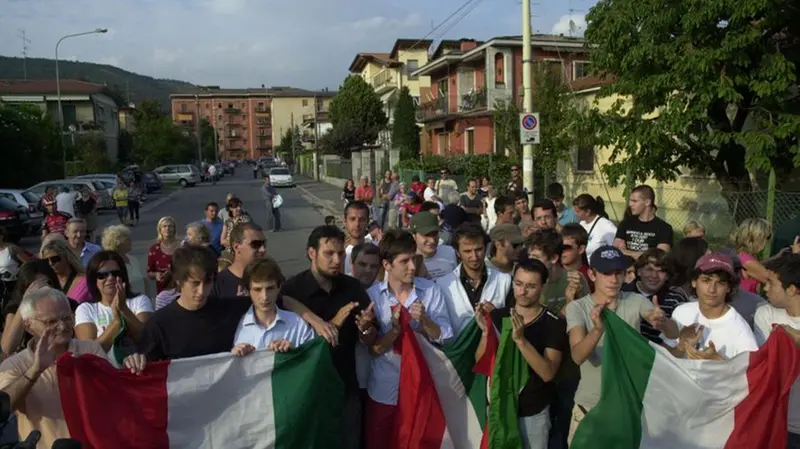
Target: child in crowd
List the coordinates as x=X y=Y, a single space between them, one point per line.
x=693 y=228
x=330 y=220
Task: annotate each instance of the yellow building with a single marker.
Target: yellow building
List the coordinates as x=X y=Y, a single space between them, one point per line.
x=693 y=196
x=387 y=73
x=292 y=105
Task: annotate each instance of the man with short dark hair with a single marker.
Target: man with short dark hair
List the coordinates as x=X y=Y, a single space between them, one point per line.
x=643 y=230
x=340 y=299
x=471 y=202
x=248 y=244
x=399 y=294
x=544 y=215
x=268 y=193
x=214 y=225
x=366 y=263
x=504 y=209
x=506 y=239
x=356 y=218
x=514 y=188
x=522 y=212
x=566 y=214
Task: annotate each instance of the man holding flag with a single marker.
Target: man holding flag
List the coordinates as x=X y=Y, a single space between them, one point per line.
x=532 y=343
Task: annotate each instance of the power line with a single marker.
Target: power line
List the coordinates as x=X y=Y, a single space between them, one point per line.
x=442 y=23
x=460 y=18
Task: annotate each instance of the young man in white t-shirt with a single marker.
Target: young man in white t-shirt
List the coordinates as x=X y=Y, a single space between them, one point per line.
x=721 y=333
x=439 y=259
x=783 y=292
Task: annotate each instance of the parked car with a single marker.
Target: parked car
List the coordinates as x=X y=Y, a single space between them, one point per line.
x=183 y=174
x=281 y=177
x=30 y=202
x=151 y=182
x=14 y=220
x=98 y=187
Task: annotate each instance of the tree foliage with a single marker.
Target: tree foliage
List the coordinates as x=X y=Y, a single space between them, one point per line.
x=341 y=140
x=32 y=148
x=157 y=140
x=357 y=107
x=506 y=127
x=712 y=87
x=557 y=112
x=207 y=140
x=405 y=132
x=291 y=138
x=91 y=150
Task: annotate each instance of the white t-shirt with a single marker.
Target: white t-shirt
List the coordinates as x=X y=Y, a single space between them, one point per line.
x=65 y=202
x=730 y=333
x=212 y=170
x=428 y=194
x=442 y=263
x=766 y=316
x=101 y=315
x=601 y=232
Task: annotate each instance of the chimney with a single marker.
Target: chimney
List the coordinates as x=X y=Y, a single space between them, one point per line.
x=467 y=44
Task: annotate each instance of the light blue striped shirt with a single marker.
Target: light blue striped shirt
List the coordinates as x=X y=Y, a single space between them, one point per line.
x=88 y=251
x=285 y=326
x=384 y=378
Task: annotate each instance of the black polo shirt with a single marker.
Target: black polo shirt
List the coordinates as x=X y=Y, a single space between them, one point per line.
x=305 y=288
x=473 y=293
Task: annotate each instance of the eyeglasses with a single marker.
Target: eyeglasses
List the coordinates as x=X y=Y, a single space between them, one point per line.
x=258 y=244
x=515 y=169
x=55 y=321
x=53 y=260
x=103 y=275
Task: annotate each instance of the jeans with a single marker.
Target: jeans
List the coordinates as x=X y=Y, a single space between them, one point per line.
x=561 y=413
x=794 y=441
x=534 y=430
x=133 y=210
x=384 y=211
x=276 y=214
x=351 y=420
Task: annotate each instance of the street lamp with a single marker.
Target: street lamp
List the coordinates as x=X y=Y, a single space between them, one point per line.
x=58 y=89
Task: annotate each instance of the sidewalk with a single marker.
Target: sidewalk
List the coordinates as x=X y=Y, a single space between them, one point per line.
x=321 y=195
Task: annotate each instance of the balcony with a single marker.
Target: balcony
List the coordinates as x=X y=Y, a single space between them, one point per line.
x=263 y=110
x=233 y=136
x=383 y=81
x=475 y=100
x=184 y=116
x=433 y=109
x=232 y=110
x=235 y=124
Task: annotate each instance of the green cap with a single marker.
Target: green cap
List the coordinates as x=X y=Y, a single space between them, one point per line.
x=508 y=232
x=424 y=223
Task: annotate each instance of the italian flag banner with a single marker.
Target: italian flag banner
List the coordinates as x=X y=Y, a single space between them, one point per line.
x=263 y=400
x=657 y=401
x=441 y=401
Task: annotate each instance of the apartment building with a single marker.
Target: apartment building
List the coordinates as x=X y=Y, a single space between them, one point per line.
x=469 y=77
x=387 y=73
x=292 y=109
x=85 y=107
x=249 y=122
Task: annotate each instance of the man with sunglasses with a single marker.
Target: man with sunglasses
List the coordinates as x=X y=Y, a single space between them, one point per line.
x=29 y=377
x=248 y=244
x=504 y=248
x=445 y=185
x=514 y=188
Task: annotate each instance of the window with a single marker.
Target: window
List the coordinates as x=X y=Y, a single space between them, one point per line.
x=470 y=137
x=580 y=69
x=443 y=87
x=584 y=160
x=554 y=67
x=499 y=70
x=219 y=105
x=244 y=105
x=305 y=103
x=230 y=105
x=411 y=66
x=183 y=107
x=207 y=105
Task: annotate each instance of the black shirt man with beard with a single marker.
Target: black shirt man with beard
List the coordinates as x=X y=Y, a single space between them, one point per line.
x=340 y=299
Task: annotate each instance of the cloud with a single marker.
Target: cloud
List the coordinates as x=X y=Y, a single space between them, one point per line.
x=570 y=25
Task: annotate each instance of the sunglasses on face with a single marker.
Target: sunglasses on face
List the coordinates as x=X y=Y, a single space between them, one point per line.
x=258 y=244
x=53 y=260
x=103 y=275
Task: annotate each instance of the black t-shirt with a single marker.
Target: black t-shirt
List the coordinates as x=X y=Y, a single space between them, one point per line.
x=305 y=288
x=228 y=285
x=514 y=188
x=349 y=194
x=546 y=331
x=642 y=235
x=176 y=333
x=466 y=201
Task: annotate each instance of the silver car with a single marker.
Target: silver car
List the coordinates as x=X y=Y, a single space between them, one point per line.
x=104 y=200
x=183 y=174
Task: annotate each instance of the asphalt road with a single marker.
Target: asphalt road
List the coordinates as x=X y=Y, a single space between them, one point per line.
x=298 y=217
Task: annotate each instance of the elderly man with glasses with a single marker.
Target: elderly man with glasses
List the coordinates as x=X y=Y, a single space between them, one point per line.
x=29 y=377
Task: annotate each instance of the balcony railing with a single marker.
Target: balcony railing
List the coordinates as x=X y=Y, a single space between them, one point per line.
x=233 y=136
x=232 y=110
x=474 y=100
x=384 y=78
x=434 y=108
x=263 y=110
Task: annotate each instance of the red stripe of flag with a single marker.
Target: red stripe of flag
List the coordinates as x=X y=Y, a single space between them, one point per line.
x=485 y=366
x=420 y=422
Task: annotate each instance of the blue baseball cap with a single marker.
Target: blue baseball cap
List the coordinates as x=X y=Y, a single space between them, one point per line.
x=608 y=259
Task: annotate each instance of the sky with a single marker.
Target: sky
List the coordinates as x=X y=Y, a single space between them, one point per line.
x=246 y=43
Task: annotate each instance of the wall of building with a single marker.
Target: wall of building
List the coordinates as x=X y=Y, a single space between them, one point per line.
x=456 y=138
x=283 y=108
x=415 y=86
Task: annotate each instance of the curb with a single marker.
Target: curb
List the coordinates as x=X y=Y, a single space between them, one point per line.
x=328 y=206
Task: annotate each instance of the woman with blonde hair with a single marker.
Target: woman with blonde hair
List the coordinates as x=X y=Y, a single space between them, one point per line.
x=68 y=269
x=693 y=228
x=197 y=234
x=117 y=238
x=749 y=240
x=159 y=256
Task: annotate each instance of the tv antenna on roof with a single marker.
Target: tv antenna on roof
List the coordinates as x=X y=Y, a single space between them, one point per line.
x=25 y=42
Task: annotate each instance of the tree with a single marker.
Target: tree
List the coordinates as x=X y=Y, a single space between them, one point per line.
x=712 y=87
x=157 y=140
x=207 y=140
x=125 y=148
x=405 y=132
x=91 y=149
x=557 y=111
x=31 y=141
x=506 y=126
x=358 y=107
x=291 y=137
x=341 y=140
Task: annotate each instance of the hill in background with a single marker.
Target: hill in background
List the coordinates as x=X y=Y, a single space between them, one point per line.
x=121 y=81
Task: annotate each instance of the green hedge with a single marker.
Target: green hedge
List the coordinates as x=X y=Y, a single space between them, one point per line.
x=464 y=166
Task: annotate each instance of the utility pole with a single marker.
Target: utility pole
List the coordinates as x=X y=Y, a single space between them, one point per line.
x=527 y=87
x=197 y=129
x=316 y=139
x=294 y=136
x=25 y=42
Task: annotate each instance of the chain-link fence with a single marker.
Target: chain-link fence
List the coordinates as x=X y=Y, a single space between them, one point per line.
x=719 y=213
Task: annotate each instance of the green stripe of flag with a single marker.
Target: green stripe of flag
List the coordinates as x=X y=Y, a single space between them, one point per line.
x=509 y=377
x=461 y=354
x=616 y=421
x=308 y=398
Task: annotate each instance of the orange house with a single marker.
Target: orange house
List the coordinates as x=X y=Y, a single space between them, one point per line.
x=468 y=77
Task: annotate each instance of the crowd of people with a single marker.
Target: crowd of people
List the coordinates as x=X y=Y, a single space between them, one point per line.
x=448 y=260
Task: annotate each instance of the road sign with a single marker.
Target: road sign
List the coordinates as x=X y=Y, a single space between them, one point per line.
x=529 y=128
